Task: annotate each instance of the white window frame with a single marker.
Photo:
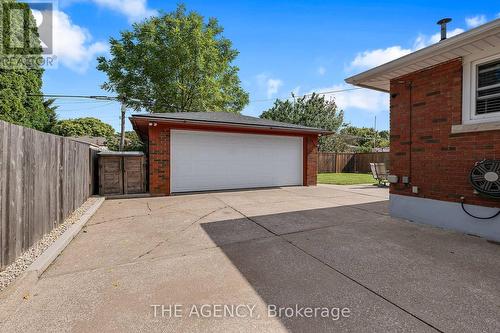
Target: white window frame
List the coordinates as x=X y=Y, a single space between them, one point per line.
x=469 y=83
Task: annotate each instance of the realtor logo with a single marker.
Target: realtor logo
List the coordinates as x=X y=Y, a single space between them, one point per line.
x=26 y=32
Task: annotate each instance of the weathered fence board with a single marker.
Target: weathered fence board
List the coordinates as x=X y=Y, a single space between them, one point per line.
x=350 y=162
x=43 y=179
x=363 y=161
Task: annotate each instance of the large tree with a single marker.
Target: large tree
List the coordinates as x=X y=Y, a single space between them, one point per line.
x=132 y=142
x=83 y=127
x=364 y=139
x=21 y=81
x=51 y=112
x=175 y=62
x=314 y=111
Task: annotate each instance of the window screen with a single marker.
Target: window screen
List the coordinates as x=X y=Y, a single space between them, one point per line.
x=488 y=88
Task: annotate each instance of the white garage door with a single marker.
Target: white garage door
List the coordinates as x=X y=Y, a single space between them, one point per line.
x=203 y=160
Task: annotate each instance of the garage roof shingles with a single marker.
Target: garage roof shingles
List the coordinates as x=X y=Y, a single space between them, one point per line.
x=225 y=118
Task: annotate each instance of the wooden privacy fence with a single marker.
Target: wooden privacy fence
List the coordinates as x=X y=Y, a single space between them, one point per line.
x=43 y=179
x=350 y=162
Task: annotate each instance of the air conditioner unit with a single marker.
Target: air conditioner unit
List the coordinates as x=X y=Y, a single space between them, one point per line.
x=485 y=178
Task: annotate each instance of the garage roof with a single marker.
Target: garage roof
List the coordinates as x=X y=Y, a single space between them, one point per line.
x=482 y=38
x=227 y=119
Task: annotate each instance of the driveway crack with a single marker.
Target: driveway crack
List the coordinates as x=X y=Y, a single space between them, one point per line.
x=180 y=232
x=117 y=219
x=359 y=283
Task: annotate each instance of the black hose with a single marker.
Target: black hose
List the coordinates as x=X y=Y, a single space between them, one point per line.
x=478 y=217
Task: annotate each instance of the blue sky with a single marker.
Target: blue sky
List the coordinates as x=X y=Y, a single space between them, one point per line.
x=285 y=46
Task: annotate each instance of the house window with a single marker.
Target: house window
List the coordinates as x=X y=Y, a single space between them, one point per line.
x=488 y=88
x=481 y=89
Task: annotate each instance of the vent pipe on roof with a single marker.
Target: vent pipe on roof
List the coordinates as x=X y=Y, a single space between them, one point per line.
x=443 y=23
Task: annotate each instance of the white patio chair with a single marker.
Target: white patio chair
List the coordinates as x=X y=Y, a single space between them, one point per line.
x=380 y=173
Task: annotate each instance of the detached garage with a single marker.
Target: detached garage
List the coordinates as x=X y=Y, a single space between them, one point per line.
x=203 y=151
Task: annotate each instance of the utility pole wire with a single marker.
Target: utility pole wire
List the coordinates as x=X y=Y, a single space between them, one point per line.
x=121 y=99
x=123 y=109
x=118 y=99
x=110 y=98
x=305 y=95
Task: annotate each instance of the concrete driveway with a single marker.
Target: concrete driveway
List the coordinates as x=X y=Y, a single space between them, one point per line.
x=226 y=262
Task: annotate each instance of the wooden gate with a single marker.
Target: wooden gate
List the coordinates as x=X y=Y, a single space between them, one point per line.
x=133 y=174
x=121 y=173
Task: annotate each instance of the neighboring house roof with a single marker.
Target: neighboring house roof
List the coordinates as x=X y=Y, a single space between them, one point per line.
x=226 y=119
x=93 y=140
x=482 y=38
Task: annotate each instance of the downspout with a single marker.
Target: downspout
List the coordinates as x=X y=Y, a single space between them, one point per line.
x=409 y=84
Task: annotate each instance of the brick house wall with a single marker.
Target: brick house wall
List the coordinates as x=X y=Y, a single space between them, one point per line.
x=159 y=158
x=439 y=162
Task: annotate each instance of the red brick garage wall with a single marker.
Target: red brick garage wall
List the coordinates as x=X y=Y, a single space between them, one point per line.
x=439 y=162
x=159 y=158
x=310 y=160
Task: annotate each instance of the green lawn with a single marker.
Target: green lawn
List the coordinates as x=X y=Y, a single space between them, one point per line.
x=345 y=178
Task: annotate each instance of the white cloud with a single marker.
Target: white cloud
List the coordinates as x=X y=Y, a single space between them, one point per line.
x=475 y=21
x=271 y=85
x=373 y=58
x=135 y=10
x=321 y=70
x=422 y=40
x=363 y=99
x=374 y=101
x=72 y=43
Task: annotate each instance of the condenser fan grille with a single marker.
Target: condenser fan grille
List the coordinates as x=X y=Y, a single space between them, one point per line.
x=485 y=178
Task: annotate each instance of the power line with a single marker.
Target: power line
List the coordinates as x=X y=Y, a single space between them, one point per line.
x=104 y=98
x=96 y=97
x=305 y=95
x=118 y=99
x=90 y=102
x=88 y=108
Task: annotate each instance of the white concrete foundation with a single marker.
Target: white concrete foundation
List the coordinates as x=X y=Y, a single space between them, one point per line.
x=448 y=215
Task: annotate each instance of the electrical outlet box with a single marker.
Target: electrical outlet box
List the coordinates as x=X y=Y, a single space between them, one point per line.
x=393 y=179
x=414 y=189
x=405 y=180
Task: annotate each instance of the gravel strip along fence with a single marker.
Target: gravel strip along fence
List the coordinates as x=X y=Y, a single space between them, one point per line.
x=15 y=269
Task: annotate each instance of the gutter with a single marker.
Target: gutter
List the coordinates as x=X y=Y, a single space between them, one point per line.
x=367 y=86
x=230 y=124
